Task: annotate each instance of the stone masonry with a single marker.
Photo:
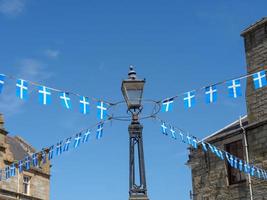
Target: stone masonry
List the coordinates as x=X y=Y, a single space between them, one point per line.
x=209 y=173
x=13 y=149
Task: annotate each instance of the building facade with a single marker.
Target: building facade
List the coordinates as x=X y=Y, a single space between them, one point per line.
x=33 y=184
x=214 y=179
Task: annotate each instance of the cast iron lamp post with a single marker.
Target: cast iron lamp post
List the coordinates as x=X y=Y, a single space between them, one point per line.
x=132 y=90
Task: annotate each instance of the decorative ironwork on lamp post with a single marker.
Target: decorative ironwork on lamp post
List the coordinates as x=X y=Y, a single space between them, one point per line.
x=132 y=90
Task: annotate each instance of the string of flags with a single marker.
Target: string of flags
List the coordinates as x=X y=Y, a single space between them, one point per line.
x=211 y=92
x=237 y=163
x=45 y=95
x=39 y=158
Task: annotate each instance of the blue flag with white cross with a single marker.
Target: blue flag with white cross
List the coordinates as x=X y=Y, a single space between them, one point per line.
x=27 y=163
x=2 y=82
x=77 y=140
x=84 y=105
x=99 y=131
x=65 y=100
x=59 y=148
x=86 y=136
x=259 y=79
x=22 y=89
x=20 y=166
x=189 y=99
x=34 y=160
x=67 y=144
x=173 y=132
x=234 y=88
x=12 y=170
x=44 y=95
x=101 y=110
x=211 y=94
x=167 y=105
x=164 y=128
x=51 y=152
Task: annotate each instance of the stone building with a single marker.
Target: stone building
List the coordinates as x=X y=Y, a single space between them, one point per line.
x=29 y=185
x=214 y=179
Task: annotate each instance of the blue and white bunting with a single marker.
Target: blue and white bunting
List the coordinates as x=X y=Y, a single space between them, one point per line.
x=99 y=131
x=173 y=132
x=20 y=166
x=101 y=110
x=7 y=171
x=259 y=79
x=22 y=89
x=34 y=160
x=2 y=82
x=12 y=170
x=84 y=105
x=59 y=148
x=211 y=94
x=51 y=152
x=67 y=144
x=167 y=105
x=164 y=129
x=27 y=163
x=44 y=95
x=77 y=140
x=189 y=99
x=234 y=88
x=86 y=136
x=65 y=100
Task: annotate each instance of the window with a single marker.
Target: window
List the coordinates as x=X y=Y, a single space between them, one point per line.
x=234 y=175
x=26 y=185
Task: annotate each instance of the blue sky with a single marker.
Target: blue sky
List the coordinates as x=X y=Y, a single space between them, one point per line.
x=87 y=47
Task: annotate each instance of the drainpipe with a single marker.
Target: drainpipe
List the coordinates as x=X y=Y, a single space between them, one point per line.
x=247 y=157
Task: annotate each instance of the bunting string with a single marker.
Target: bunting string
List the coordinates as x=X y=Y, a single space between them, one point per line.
x=234 y=162
x=37 y=159
x=211 y=91
x=45 y=96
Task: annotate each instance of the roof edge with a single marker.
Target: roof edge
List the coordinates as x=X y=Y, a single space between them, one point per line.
x=252 y=26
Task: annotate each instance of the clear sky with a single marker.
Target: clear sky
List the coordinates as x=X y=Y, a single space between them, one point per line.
x=86 y=47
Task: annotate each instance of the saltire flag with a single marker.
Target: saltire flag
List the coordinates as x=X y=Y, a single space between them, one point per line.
x=99 y=131
x=27 y=163
x=2 y=82
x=234 y=88
x=194 y=143
x=43 y=156
x=173 y=132
x=189 y=99
x=211 y=94
x=51 y=152
x=211 y=148
x=65 y=100
x=101 y=110
x=77 y=140
x=84 y=105
x=230 y=159
x=259 y=79
x=67 y=144
x=7 y=170
x=258 y=173
x=59 y=148
x=13 y=170
x=20 y=166
x=167 y=105
x=218 y=153
x=86 y=136
x=164 y=129
x=44 y=95
x=34 y=160
x=22 y=89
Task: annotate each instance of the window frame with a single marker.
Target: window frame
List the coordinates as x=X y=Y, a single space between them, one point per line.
x=26 y=185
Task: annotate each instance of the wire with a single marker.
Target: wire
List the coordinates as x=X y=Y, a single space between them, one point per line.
x=58 y=90
x=46 y=149
x=203 y=142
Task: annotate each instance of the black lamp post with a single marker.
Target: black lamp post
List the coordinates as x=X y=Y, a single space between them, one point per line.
x=132 y=90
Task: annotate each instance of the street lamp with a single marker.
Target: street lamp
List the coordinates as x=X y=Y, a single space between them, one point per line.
x=132 y=90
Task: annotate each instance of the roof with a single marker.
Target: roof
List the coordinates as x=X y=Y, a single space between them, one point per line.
x=19 y=148
x=227 y=129
x=252 y=26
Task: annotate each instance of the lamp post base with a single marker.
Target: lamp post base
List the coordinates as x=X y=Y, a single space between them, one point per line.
x=138 y=197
